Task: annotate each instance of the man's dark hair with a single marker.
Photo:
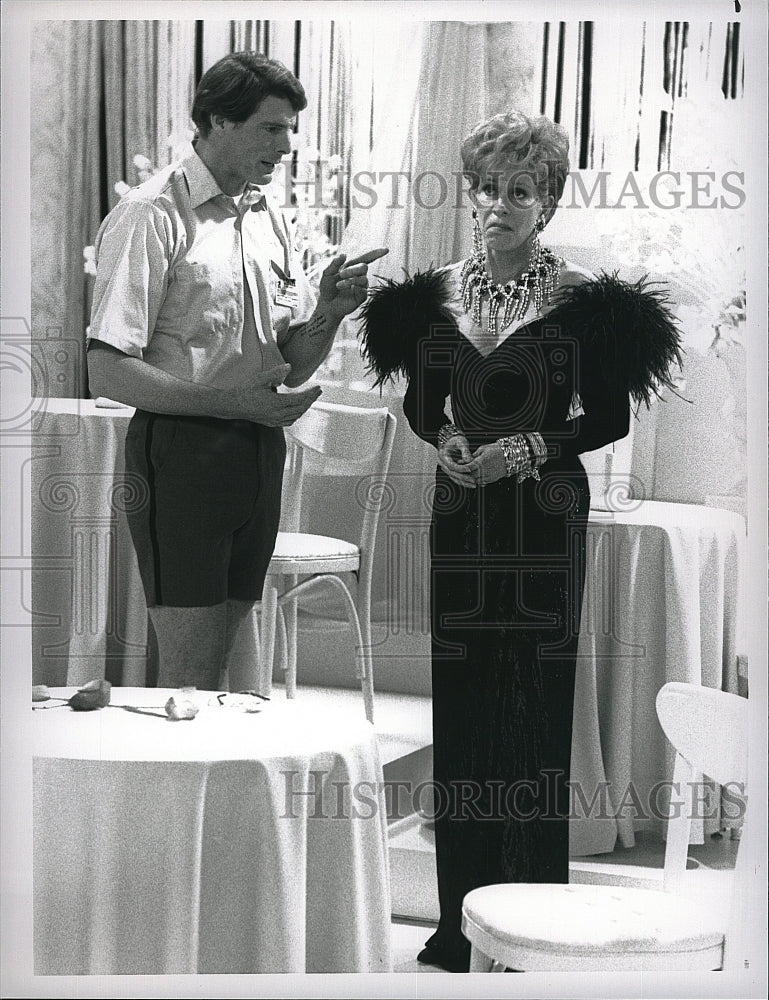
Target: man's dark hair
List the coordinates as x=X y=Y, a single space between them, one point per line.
x=236 y=85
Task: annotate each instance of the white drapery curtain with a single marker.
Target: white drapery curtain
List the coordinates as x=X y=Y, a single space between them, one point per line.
x=148 y=89
x=420 y=110
x=425 y=111
x=627 y=90
x=640 y=97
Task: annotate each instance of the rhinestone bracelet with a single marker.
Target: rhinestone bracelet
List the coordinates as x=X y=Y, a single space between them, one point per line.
x=516 y=453
x=447 y=432
x=538 y=449
x=522 y=456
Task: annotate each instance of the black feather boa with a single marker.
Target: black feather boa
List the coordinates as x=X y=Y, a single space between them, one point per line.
x=397 y=316
x=628 y=329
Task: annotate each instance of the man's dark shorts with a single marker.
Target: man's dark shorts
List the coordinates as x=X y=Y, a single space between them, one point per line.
x=207 y=531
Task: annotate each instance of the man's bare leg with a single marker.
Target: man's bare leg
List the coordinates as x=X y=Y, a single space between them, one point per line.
x=240 y=650
x=191 y=645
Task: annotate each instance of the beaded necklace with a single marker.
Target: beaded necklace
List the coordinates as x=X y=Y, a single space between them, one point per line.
x=538 y=281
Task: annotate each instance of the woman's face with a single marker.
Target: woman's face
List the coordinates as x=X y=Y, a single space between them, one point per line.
x=508 y=205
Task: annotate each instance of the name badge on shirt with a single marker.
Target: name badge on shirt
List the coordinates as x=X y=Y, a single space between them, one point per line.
x=284 y=289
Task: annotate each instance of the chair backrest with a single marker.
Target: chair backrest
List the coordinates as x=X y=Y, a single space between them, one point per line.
x=709 y=730
x=332 y=439
x=341 y=440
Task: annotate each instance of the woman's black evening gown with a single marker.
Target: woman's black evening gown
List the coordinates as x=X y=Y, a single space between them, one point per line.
x=508 y=558
x=506 y=591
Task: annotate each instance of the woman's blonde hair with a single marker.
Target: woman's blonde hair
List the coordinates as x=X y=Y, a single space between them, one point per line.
x=537 y=145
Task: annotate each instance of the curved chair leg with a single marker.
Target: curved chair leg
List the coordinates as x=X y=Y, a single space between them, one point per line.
x=478 y=961
x=267 y=638
x=289 y=665
x=352 y=615
x=280 y=658
x=367 y=686
x=367 y=675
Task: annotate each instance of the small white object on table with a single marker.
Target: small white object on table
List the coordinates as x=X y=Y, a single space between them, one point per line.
x=234 y=842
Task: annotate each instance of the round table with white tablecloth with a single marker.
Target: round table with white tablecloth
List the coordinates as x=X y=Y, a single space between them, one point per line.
x=661 y=604
x=234 y=842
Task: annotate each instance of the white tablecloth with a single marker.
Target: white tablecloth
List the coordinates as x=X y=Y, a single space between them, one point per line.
x=230 y=843
x=88 y=606
x=661 y=604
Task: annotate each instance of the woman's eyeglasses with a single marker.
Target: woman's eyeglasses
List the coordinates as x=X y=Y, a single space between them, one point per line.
x=513 y=193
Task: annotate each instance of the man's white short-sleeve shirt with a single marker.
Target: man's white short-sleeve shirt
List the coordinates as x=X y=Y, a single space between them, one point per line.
x=175 y=260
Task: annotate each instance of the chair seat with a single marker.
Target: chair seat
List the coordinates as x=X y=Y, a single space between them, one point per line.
x=599 y=922
x=298 y=552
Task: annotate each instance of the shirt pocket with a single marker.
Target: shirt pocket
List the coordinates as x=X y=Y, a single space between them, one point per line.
x=208 y=293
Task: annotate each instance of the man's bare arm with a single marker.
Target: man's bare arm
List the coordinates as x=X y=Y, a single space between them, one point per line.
x=307 y=346
x=132 y=381
x=343 y=288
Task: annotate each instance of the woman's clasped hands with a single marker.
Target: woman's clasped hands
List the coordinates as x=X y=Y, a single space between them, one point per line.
x=472 y=468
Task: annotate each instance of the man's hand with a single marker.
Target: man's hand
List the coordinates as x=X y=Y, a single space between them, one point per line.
x=258 y=401
x=453 y=457
x=132 y=381
x=487 y=464
x=344 y=284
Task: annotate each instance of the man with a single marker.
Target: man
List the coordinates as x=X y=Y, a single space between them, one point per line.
x=200 y=310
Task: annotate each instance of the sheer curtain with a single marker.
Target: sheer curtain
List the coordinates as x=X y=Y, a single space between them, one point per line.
x=640 y=97
x=422 y=109
x=388 y=119
x=630 y=91
x=66 y=206
x=148 y=90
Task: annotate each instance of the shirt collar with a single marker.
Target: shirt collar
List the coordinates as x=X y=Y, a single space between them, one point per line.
x=202 y=185
x=200 y=181
x=253 y=197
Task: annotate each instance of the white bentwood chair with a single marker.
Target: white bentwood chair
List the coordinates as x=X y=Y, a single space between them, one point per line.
x=330 y=439
x=605 y=928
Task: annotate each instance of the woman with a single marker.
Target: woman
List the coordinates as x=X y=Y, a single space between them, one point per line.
x=533 y=354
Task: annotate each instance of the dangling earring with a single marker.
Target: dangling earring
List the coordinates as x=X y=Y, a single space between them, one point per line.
x=478 y=250
x=535 y=251
x=535 y=254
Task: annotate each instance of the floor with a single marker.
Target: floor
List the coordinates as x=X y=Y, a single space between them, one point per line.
x=408 y=939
